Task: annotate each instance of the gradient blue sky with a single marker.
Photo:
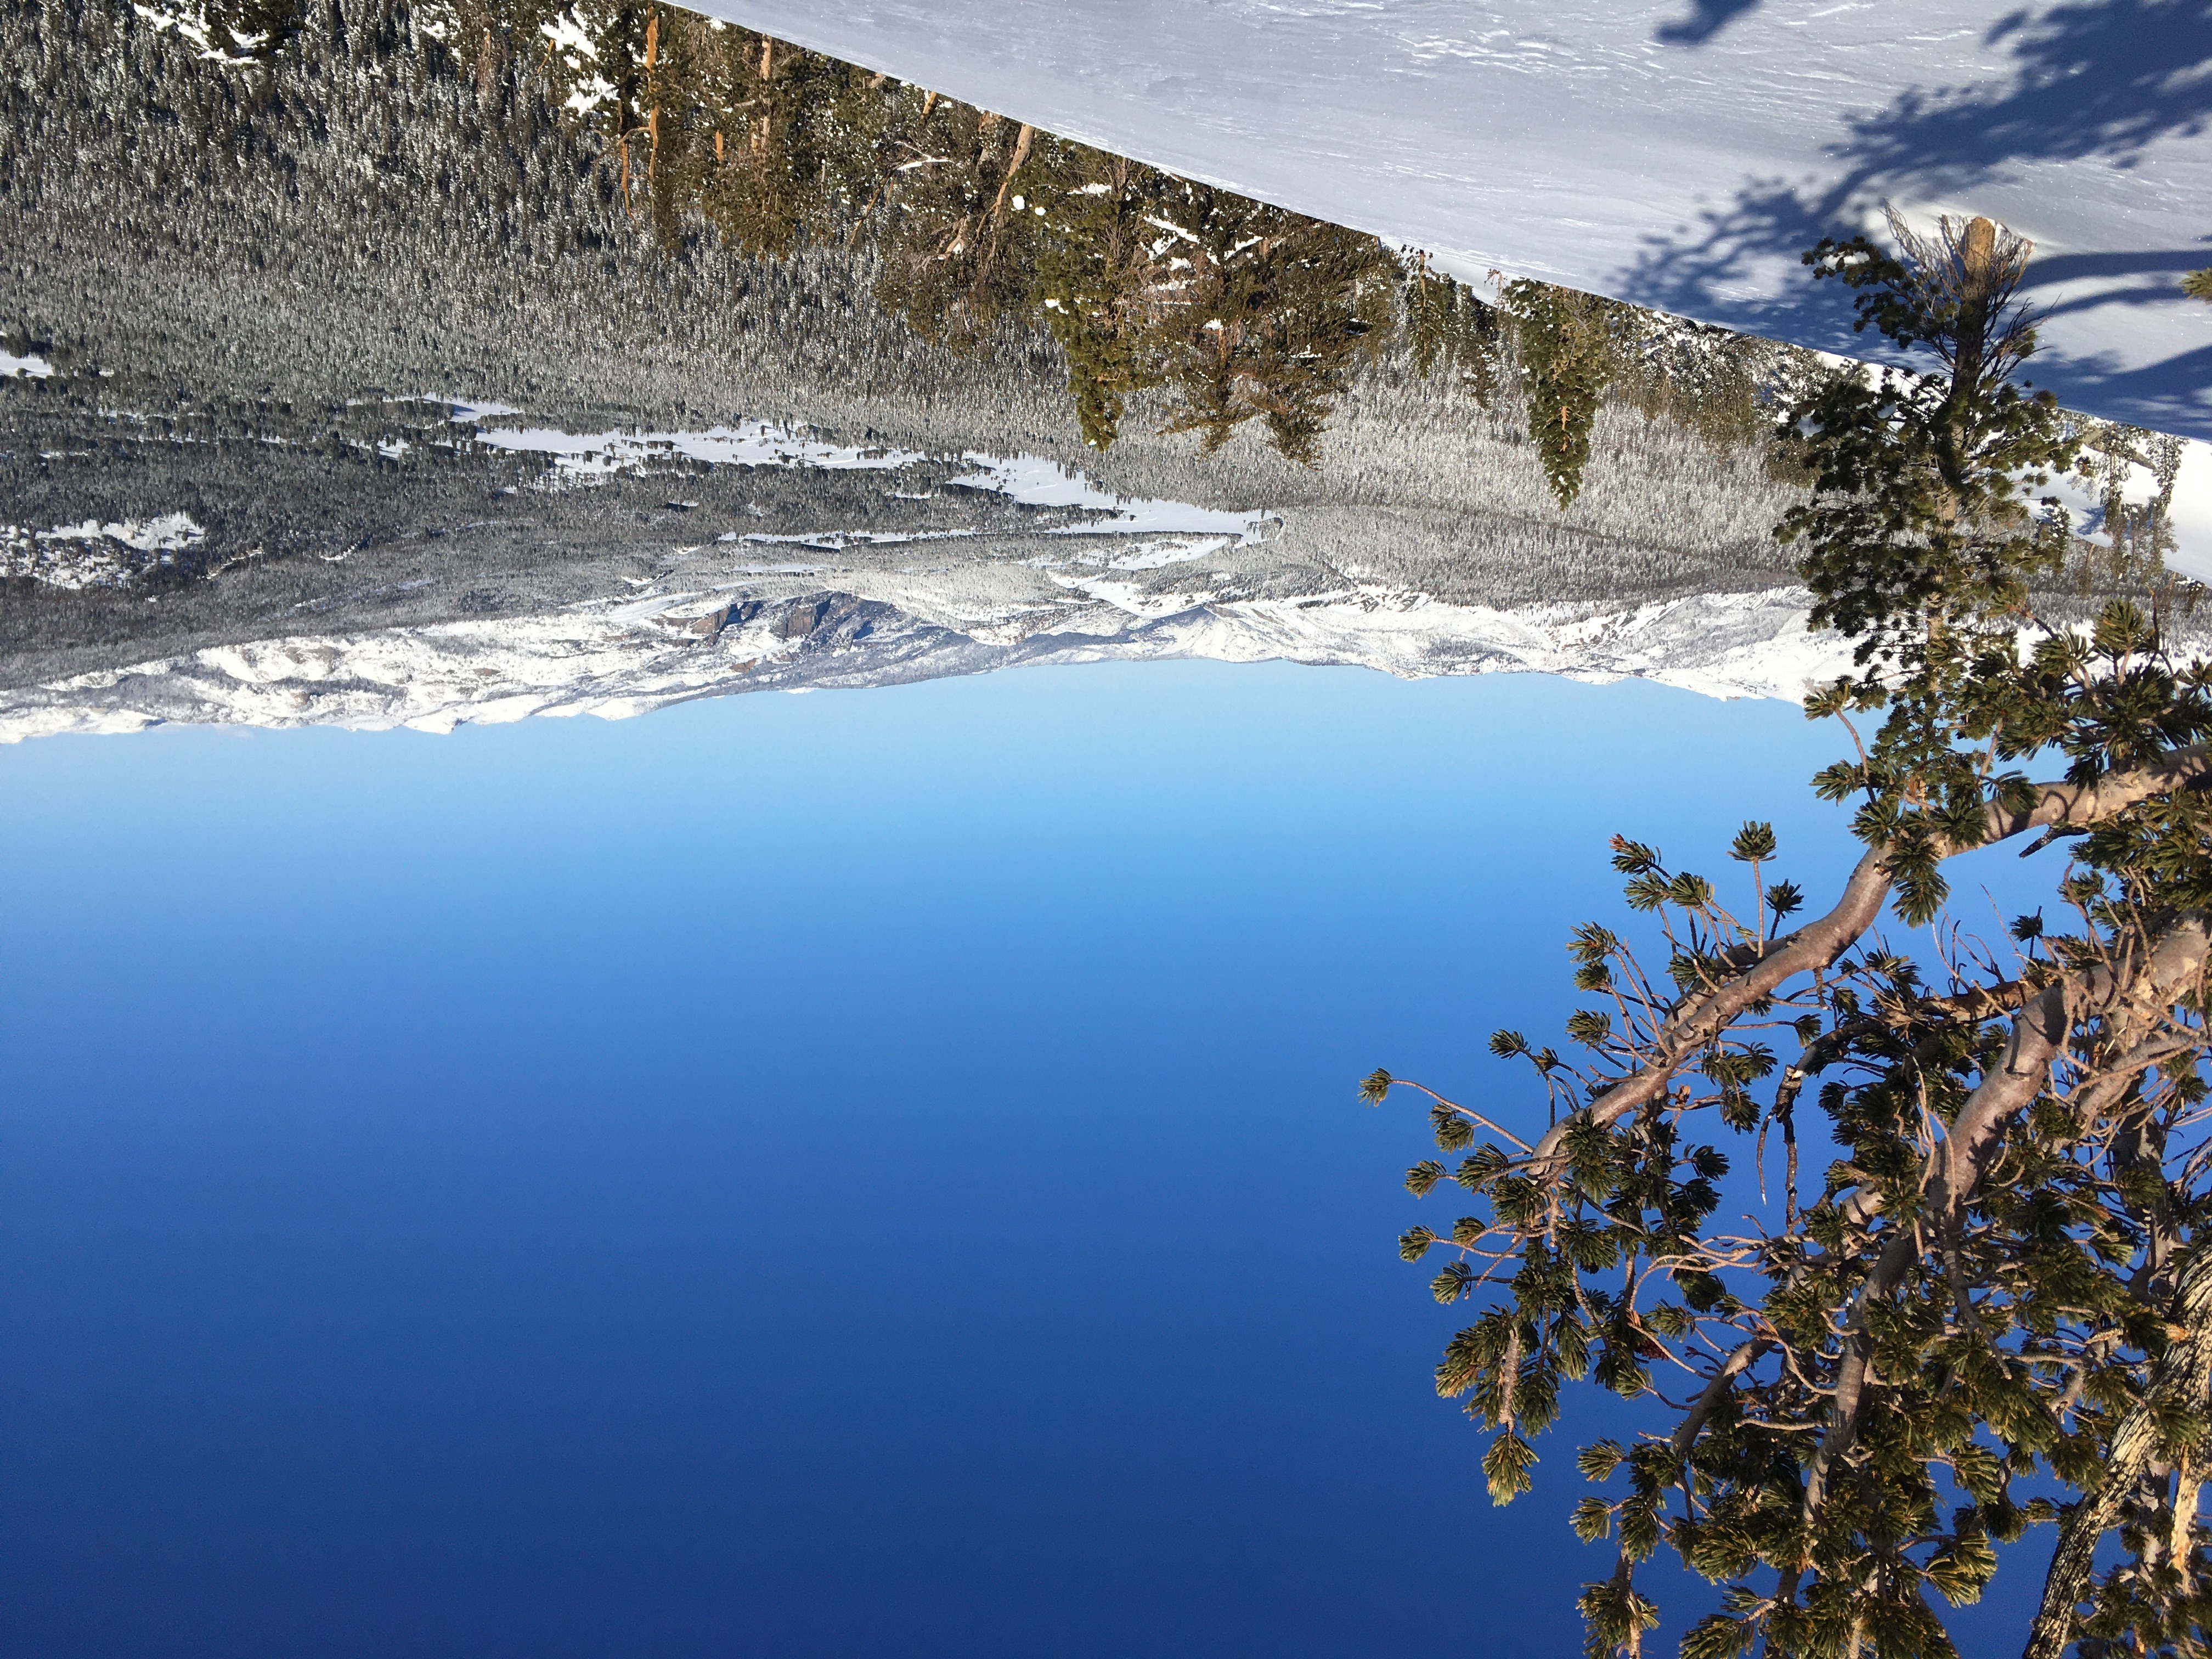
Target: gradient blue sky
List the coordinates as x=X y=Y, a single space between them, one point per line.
x=869 y=1173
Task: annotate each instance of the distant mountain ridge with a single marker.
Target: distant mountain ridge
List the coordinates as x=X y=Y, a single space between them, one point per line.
x=616 y=660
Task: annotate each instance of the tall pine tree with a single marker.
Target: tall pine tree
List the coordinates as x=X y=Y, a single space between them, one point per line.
x=1565 y=344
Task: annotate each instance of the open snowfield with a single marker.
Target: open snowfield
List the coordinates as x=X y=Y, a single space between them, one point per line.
x=1679 y=155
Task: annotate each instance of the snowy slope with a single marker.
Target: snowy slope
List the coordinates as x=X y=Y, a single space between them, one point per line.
x=617 y=660
x=1680 y=155
x=1003 y=559
x=1094 y=576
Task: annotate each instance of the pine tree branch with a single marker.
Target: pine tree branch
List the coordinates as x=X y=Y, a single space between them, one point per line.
x=1956 y=1167
x=1697 y=1020
x=1966 y=1007
x=1739 y=1361
x=2076 y=806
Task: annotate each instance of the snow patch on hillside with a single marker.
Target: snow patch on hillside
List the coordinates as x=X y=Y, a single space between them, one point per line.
x=2191 y=515
x=591 y=455
x=1033 y=480
x=76 y=556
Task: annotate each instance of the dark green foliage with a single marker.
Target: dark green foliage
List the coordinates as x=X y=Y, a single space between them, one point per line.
x=1568 y=350
x=1272 y=317
x=1991 y=1284
x=1919 y=544
x=1099 y=282
x=1451 y=330
x=958 y=255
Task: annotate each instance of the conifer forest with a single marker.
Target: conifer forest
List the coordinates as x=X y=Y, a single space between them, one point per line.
x=367 y=363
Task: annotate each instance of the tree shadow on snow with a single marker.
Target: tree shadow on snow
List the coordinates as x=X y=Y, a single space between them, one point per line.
x=1709 y=19
x=2098 y=79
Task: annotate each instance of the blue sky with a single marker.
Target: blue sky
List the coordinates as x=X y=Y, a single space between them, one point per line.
x=859 y=1172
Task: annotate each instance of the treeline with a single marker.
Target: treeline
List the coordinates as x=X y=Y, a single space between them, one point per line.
x=1234 y=311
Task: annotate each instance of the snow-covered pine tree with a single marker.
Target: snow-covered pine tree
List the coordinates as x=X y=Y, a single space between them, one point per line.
x=958 y=255
x=1449 y=326
x=1101 y=282
x=1276 y=312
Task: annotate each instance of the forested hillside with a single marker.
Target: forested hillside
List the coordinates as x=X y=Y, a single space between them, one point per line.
x=271 y=267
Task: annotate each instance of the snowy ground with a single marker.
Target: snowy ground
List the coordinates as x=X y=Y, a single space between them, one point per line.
x=1680 y=155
